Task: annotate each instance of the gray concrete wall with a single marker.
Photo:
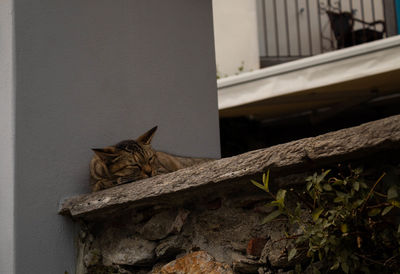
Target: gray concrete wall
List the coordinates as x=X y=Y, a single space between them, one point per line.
x=6 y=138
x=91 y=73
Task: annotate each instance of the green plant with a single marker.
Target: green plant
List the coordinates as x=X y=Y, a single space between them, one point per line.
x=351 y=225
x=240 y=70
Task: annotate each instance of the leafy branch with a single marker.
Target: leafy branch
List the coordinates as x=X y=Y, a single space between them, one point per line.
x=347 y=228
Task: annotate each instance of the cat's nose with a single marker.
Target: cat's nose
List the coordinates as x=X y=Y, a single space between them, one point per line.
x=148 y=170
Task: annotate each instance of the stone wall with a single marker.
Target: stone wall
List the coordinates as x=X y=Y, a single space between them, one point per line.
x=227 y=228
x=208 y=219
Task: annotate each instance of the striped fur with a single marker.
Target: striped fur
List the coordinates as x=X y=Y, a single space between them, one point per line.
x=132 y=160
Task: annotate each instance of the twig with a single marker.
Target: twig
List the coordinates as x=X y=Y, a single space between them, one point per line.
x=380 y=194
x=368 y=259
x=378 y=205
x=388 y=260
x=278 y=220
x=371 y=191
x=288 y=238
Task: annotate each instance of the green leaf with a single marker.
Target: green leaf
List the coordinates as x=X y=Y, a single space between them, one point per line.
x=340 y=194
x=338 y=200
x=358 y=171
x=266 y=181
x=386 y=210
x=392 y=193
x=280 y=197
x=395 y=203
x=312 y=193
x=287 y=235
x=345 y=267
x=335 y=266
x=374 y=212
x=292 y=253
x=273 y=203
x=318 y=187
x=271 y=216
x=309 y=185
x=356 y=186
x=315 y=270
x=297 y=269
x=297 y=210
x=258 y=185
x=281 y=194
x=357 y=203
x=316 y=213
x=320 y=256
x=343 y=228
x=337 y=182
x=322 y=176
x=327 y=187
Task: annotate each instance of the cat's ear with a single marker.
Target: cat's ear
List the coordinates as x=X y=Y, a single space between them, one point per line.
x=106 y=153
x=146 y=138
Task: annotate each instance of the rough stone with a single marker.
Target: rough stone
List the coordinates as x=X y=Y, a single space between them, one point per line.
x=170 y=247
x=275 y=252
x=163 y=224
x=256 y=246
x=242 y=264
x=199 y=262
x=156 y=268
x=119 y=249
x=214 y=204
x=92 y=257
x=179 y=220
x=100 y=269
x=225 y=231
x=286 y=159
x=264 y=270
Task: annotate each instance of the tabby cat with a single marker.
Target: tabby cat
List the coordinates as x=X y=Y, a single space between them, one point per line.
x=132 y=160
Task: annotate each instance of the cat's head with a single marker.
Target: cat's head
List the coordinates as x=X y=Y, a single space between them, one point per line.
x=130 y=159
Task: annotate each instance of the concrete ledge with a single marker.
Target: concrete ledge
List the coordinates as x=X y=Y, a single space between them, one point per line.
x=284 y=159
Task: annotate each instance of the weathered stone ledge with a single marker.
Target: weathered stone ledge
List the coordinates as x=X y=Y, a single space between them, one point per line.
x=285 y=159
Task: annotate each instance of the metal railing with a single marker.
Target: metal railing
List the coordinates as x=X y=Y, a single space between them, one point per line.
x=292 y=29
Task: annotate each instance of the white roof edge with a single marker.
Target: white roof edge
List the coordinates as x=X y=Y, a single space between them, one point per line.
x=309 y=62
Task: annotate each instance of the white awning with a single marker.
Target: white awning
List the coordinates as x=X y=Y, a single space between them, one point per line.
x=352 y=74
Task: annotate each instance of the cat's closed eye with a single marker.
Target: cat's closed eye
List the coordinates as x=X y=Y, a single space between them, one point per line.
x=132 y=160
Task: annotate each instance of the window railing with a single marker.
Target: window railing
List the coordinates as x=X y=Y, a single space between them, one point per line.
x=293 y=29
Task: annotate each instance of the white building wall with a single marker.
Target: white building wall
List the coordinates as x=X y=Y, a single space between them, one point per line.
x=90 y=73
x=236 y=38
x=6 y=138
